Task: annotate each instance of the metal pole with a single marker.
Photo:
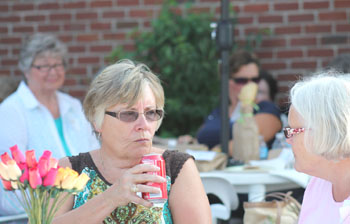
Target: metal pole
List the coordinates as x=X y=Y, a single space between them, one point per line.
x=224 y=39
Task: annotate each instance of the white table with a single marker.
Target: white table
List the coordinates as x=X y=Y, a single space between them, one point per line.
x=255 y=183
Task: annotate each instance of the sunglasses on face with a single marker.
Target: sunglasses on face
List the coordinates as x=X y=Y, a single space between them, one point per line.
x=243 y=81
x=131 y=116
x=290 y=132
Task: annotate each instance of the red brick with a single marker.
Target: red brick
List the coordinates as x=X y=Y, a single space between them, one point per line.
x=155 y=2
x=76 y=49
x=86 y=15
x=3 y=51
x=245 y=20
x=274 y=65
x=286 y=6
x=74 y=27
x=274 y=43
x=304 y=64
x=303 y=41
x=100 y=26
x=60 y=16
x=264 y=54
x=9 y=19
x=88 y=60
x=4 y=8
x=342 y=4
x=9 y=62
x=316 y=5
x=52 y=5
x=4 y=72
x=87 y=37
x=85 y=81
x=334 y=39
x=77 y=93
x=77 y=71
x=70 y=82
x=290 y=54
x=22 y=7
x=129 y=47
x=301 y=18
x=127 y=2
x=141 y=13
x=331 y=16
x=320 y=53
x=3 y=29
x=256 y=8
x=252 y=30
x=15 y=51
x=198 y=10
x=10 y=40
x=114 y=14
x=100 y=4
x=288 y=77
x=48 y=28
x=114 y=36
x=127 y=25
x=101 y=48
x=37 y=18
x=318 y=28
x=270 y=19
x=287 y=30
x=343 y=27
x=344 y=51
x=24 y=29
x=66 y=38
x=74 y=5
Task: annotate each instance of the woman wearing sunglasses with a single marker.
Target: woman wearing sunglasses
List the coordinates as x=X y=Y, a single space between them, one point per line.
x=244 y=68
x=319 y=119
x=125 y=106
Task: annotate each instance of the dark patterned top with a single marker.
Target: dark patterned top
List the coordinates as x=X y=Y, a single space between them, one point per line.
x=131 y=213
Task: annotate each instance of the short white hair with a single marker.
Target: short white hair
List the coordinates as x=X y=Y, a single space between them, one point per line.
x=323 y=103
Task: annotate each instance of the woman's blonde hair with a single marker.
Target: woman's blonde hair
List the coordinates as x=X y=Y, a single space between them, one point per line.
x=323 y=103
x=120 y=83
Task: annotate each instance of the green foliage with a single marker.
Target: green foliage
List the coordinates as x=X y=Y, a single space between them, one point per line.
x=180 y=50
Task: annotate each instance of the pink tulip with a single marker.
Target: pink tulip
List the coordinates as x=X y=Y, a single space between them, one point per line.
x=34 y=177
x=5 y=157
x=46 y=154
x=30 y=158
x=25 y=173
x=50 y=177
x=7 y=184
x=17 y=155
x=13 y=171
x=43 y=166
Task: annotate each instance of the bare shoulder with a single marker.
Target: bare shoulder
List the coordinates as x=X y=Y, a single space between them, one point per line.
x=64 y=162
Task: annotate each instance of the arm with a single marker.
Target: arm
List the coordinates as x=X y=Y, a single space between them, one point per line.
x=188 y=201
x=99 y=207
x=268 y=125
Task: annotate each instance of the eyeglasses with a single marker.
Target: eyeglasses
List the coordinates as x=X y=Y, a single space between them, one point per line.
x=131 y=116
x=47 y=68
x=290 y=132
x=243 y=81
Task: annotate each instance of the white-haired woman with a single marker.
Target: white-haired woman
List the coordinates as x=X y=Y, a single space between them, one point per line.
x=319 y=119
x=37 y=115
x=125 y=105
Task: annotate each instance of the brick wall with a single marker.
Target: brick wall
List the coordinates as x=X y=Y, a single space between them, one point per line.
x=305 y=34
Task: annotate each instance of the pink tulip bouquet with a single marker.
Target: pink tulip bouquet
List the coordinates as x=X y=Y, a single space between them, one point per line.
x=44 y=186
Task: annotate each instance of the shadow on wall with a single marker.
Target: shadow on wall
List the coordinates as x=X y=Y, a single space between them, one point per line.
x=7 y=86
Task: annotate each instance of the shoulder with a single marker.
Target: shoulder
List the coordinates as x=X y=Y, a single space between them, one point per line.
x=68 y=99
x=65 y=162
x=174 y=161
x=268 y=107
x=79 y=162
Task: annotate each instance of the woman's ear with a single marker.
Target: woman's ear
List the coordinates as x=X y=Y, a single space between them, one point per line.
x=96 y=128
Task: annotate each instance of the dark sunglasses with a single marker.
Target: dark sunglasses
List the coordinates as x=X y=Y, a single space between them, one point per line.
x=131 y=116
x=243 y=81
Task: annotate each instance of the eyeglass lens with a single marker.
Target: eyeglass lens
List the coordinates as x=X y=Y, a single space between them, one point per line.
x=47 y=68
x=131 y=116
x=246 y=80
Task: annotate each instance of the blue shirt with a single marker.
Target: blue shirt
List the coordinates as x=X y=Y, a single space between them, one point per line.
x=209 y=133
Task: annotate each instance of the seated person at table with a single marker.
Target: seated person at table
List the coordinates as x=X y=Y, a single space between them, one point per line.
x=125 y=105
x=319 y=119
x=244 y=68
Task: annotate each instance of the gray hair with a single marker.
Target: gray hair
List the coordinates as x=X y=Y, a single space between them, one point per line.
x=323 y=103
x=38 y=44
x=120 y=83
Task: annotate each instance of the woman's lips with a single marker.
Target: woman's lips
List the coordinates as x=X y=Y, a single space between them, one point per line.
x=142 y=140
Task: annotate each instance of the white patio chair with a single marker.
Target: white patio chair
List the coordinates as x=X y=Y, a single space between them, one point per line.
x=226 y=192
